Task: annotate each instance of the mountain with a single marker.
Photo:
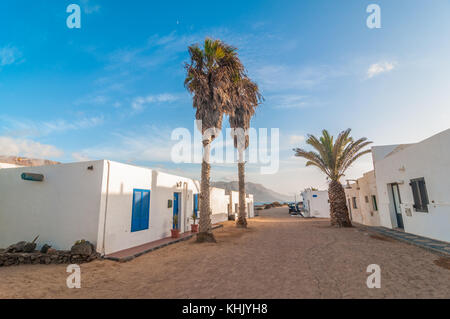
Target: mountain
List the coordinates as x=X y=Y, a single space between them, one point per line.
x=261 y=193
x=23 y=161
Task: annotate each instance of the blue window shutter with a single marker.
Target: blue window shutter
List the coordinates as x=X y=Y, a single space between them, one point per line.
x=135 y=221
x=145 y=212
x=175 y=208
x=196 y=204
x=141 y=210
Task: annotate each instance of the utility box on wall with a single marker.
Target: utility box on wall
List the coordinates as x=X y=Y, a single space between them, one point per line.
x=32 y=177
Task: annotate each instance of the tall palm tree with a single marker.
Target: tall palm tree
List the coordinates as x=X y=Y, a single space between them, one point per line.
x=211 y=73
x=245 y=98
x=333 y=158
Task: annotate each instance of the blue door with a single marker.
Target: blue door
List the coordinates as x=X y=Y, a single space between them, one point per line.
x=141 y=210
x=176 y=209
x=196 y=205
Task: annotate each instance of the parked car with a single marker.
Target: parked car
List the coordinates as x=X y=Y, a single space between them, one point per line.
x=295 y=209
x=292 y=208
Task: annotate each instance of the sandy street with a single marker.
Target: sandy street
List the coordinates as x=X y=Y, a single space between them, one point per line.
x=277 y=257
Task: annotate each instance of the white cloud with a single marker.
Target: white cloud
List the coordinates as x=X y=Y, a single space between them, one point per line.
x=296 y=139
x=93 y=100
x=88 y=7
x=25 y=127
x=139 y=102
x=153 y=146
x=62 y=125
x=9 y=55
x=80 y=157
x=283 y=77
x=287 y=101
x=378 y=68
x=161 y=49
x=27 y=148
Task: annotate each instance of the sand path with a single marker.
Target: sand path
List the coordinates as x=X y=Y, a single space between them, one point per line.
x=277 y=257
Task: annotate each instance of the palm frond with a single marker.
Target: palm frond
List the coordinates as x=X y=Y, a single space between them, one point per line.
x=333 y=157
x=210 y=75
x=313 y=159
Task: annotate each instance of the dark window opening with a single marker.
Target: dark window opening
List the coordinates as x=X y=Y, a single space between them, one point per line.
x=420 y=195
x=354 y=203
x=374 y=203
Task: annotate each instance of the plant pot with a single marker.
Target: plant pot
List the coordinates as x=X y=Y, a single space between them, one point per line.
x=175 y=233
x=194 y=228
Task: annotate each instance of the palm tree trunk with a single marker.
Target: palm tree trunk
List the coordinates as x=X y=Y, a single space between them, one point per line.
x=338 y=206
x=205 y=228
x=241 y=221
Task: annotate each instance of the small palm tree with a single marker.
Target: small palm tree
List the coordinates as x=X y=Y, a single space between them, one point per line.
x=333 y=158
x=211 y=73
x=245 y=99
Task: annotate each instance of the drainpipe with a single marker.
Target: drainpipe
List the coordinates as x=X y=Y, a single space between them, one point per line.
x=185 y=186
x=106 y=210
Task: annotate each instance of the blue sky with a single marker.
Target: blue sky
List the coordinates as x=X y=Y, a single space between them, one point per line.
x=114 y=88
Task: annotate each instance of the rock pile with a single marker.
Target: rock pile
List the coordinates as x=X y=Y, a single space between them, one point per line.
x=81 y=252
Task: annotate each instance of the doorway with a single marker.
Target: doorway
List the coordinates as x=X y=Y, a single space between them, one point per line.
x=176 y=210
x=397 y=200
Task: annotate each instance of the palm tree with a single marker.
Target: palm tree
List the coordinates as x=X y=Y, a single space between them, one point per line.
x=245 y=99
x=211 y=73
x=333 y=158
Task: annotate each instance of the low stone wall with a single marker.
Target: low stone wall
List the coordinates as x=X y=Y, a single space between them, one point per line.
x=58 y=257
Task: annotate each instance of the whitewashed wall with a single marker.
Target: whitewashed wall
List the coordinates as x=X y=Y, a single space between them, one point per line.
x=429 y=159
x=316 y=206
x=356 y=214
x=166 y=185
x=228 y=201
x=75 y=203
x=234 y=201
x=7 y=165
x=119 y=181
x=123 y=179
x=364 y=213
x=219 y=205
x=62 y=209
x=250 y=206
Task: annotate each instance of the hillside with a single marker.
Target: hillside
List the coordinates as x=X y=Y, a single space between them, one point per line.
x=261 y=193
x=23 y=161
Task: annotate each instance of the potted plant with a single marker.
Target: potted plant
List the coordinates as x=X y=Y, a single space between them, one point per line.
x=194 y=226
x=175 y=231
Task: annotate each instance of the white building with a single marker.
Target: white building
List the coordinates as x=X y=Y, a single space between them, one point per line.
x=362 y=200
x=233 y=205
x=316 y=203
x=115 y=206
x=219 y=204
x=250 y=206
x=413 y=184
x=7 y=165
